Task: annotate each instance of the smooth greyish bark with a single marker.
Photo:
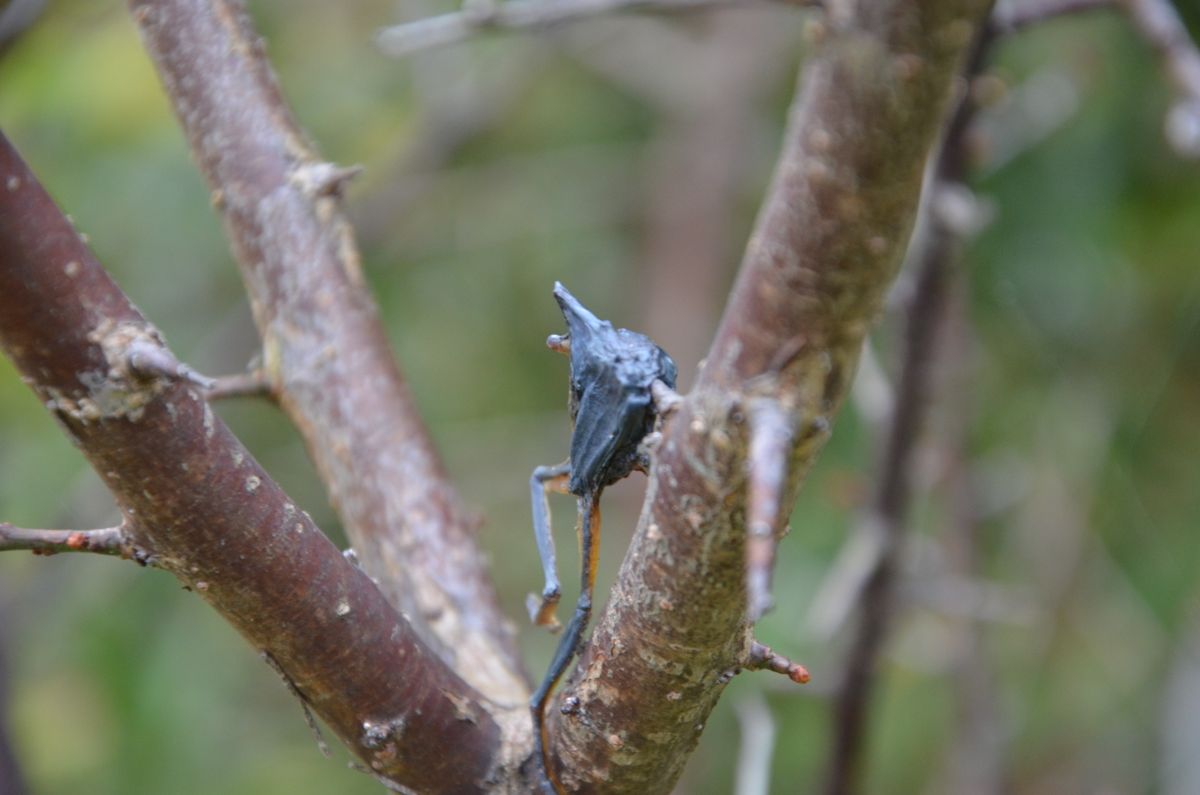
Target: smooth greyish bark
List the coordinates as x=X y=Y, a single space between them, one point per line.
x=198 y=505
x=829 y=238
x=324 y=348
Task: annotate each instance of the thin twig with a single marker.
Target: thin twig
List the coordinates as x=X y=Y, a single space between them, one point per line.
x=764 y=658
x=975 y=762
x=1011 y=17
x=1159 y=24
x=16 y=18
x=440 y=31
x=253 y=383
x=12 y=779
x=104 y=541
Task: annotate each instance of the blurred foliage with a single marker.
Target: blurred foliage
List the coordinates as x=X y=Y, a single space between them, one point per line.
x=1084 y=391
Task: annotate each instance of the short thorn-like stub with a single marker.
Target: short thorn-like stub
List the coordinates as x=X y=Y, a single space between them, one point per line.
x=542 y=611
x=764 y=657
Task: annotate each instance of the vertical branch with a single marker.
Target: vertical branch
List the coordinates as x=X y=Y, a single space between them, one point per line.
x=324 y=348
x=830 y=234
x=12 y=781
x=975 y=761
x=203 y=509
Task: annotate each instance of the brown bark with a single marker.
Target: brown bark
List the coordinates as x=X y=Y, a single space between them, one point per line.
x=324 y=348
x=203 y=509
x=834 y=226
x=829 y=236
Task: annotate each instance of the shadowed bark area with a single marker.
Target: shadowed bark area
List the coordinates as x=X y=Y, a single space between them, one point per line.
x=829 y=237
x=202 y=508
x=324 y=348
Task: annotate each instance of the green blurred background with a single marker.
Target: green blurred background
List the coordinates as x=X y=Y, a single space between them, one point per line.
x=627 y=157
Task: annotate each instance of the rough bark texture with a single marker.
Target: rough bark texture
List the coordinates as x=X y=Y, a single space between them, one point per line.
x=834 y=226
x=202 y=508
x=830 y=234
x=324 y=349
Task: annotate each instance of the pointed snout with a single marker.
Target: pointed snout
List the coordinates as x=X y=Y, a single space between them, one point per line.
x=581 y=323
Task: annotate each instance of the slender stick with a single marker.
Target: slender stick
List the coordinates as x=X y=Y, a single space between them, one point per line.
x=764 y=658
x=757 y=745
x=457 y=27
x=1159 y=24
x=1014 y=17
x=12 y=779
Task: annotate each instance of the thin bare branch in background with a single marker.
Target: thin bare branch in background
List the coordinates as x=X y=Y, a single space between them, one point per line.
x=486 y=15
x=17 y=17
x=757 y=747
x=1014 y=16
x=1180 y=721
x=1031 y=112
x=1160 y=25
x=976 y=761
x=12 y=780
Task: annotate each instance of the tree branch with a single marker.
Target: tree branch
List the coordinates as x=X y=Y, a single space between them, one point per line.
x=834 y=226
x=214 y=518
x=16 y=17
x=324 y=349
x=12 y=779
x=484 y=15
x=253 y=383
x=106 y=541
x=1159 y=24
x=1011 y=17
